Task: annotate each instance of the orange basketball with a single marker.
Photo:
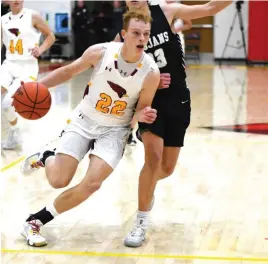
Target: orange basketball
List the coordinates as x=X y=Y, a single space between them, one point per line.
x=32 y=100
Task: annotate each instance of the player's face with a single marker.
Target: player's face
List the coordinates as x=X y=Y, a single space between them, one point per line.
x=137 y=4
x=16 y=5
x=137 y=35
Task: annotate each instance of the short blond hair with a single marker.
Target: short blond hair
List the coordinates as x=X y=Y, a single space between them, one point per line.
x=138 y=14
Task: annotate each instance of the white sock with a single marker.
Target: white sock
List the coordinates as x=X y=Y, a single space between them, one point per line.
x=143 y=219
x=52 y=157
x=51 y=208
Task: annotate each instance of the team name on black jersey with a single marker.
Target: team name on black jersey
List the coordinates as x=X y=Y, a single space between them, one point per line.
x=155 y=41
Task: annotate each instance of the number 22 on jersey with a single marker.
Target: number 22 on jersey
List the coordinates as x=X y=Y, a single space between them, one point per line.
x=18 y=47
x=106 y=101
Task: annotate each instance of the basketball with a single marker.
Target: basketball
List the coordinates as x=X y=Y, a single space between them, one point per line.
x=32 y=100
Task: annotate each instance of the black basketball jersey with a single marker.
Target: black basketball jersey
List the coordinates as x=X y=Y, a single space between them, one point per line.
x=165 y=46
x=166 y=49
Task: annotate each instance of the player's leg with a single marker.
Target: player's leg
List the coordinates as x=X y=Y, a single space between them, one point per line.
x=171 y=131
x=105 y=156
x=60 y=164
x=97 y=172
x=60 y=168
x=152 y=138
x=175 y=130
x=169 y=161
x=106 y=153
x=20 y=71
x=6 y=82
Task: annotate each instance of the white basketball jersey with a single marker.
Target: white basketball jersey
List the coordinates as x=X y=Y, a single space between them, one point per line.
x=110 y=98
x=19 y=35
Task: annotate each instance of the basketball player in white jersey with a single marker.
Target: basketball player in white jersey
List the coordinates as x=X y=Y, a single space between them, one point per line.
x=21 y=30
x=121 y=89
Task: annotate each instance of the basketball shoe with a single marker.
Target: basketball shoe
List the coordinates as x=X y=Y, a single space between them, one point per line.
x=137 y=235
x=31 y=232
x=35 y=161
x=13 y=139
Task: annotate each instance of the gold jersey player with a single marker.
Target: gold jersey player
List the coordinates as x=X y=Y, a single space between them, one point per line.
x=21 y=30
x=124 y=77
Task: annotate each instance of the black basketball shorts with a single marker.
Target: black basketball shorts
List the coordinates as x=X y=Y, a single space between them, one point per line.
x=171 y=126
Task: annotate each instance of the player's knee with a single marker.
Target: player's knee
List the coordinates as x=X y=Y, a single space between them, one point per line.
x=58 y=183
x=61 y=172
x=167 y=169
x=91 y=186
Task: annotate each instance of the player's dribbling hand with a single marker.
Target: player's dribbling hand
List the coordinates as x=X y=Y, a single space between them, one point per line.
x=147 y=115
x=164 y=80
x=36 y=52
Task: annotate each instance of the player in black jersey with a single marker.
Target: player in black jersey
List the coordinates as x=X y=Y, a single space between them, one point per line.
x=163 y=139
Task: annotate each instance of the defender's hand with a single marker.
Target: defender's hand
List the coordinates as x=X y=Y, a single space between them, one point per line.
x=147 y=115
x=164 y=80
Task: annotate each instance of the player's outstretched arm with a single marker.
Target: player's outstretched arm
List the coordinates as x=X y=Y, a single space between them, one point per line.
x=40 y=24
x=181 y=11
x=89 y=58
x=144 y=113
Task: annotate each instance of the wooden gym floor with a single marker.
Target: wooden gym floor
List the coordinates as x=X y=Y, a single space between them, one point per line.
x=213 y=209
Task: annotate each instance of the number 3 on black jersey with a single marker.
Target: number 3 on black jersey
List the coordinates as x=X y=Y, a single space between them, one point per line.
x=159 y=57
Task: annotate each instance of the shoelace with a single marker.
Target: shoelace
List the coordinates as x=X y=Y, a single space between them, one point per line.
x=137 y=231
x=35 y=227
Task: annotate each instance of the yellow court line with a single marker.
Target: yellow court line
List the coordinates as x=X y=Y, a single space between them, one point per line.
x=12 y=164
x=132 y=255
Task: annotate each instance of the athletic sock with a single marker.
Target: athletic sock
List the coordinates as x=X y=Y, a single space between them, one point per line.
x=143 y=219
x=45 y=215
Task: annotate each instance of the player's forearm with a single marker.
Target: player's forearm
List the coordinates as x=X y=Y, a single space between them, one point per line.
x=215 y=6
x=57 y=77
x=48 y=42
x=135 y=118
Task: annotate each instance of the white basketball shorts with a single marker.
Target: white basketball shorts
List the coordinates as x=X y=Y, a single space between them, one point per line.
x=83 y=135
x=13 y=72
